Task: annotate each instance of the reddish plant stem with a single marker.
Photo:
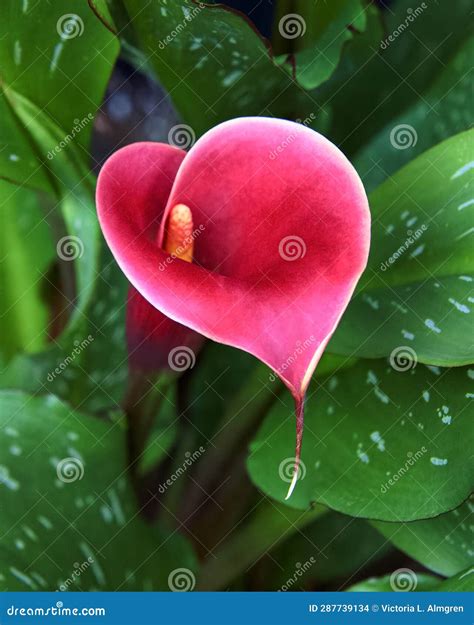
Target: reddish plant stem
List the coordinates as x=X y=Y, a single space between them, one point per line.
x=299 y=413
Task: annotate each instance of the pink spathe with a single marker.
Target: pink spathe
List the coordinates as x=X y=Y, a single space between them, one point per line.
x=282 y=234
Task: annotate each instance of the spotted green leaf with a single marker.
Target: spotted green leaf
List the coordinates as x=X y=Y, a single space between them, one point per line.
x=209 y=59
x=59 y=58
x=443 y=544
x=380 y=442
x=69 y=521
x=19 y=161
x=417 y=289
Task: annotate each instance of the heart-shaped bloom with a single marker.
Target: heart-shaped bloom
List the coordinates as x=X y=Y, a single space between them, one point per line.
x=280 y=230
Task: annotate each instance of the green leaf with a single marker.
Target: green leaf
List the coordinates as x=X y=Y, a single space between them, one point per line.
x=164 y=429
x=438 y=114
x=58 y=85
x=314 y=34
x=417 y=291
x=88 y=364
x=330 y=549
x=45 y=96
x=60 y=155
x=406 y=580
x=365 y=97
x=419 y=321
x=100 y=380
x=19 y=161
x=384 y=445
x=403 y=580
x=209 y=60
x=58 y=79
x=257 y=533
x=68 y=507
x=60 y=58
x=442 y=544
x=222 y=380
x=27 y=250
x=462 y=582
x=72 y=184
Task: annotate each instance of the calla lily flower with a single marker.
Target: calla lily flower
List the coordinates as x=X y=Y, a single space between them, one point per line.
x=255 y=238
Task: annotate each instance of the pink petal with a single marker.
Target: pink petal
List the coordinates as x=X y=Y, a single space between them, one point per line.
x=155 y=341
x=151 y=336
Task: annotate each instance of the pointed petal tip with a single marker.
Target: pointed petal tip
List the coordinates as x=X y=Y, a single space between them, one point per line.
x=293 y=483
